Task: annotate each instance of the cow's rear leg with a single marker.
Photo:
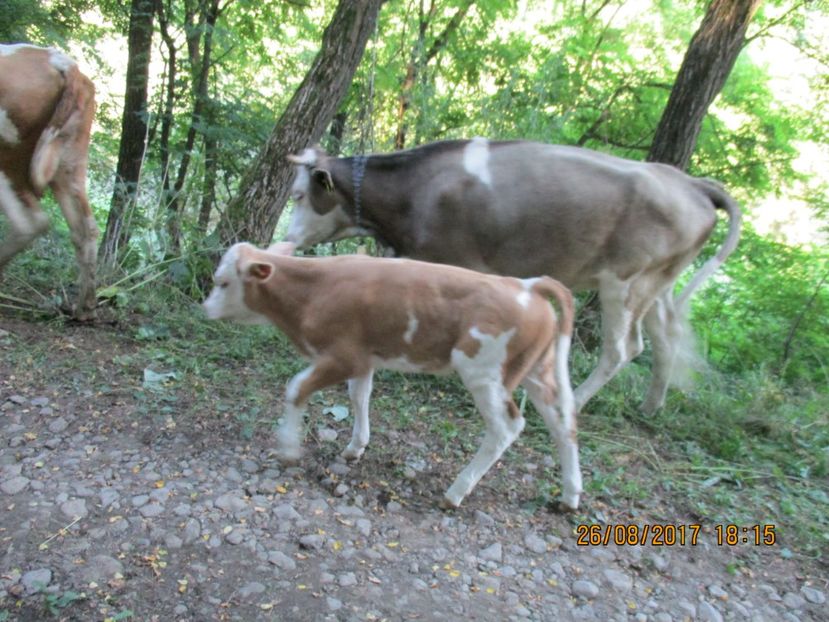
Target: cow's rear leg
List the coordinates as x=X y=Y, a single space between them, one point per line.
x=672 y=345
x=503 y=425
x=359 y=390
x=83 y=229
x=621 y=336
x=26 y=220
x=323 y=373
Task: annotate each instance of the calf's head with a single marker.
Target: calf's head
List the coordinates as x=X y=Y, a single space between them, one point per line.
x=242 y=267
x=318 y=215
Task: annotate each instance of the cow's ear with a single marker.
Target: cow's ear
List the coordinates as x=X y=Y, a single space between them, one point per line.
x=256 y=270
x=323 y=178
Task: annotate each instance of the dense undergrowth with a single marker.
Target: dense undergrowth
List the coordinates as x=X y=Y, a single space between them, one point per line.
x=748 y=444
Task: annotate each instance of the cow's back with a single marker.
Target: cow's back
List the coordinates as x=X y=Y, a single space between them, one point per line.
x=525 y=208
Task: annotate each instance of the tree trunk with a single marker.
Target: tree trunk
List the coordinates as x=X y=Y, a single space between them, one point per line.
x=133 y=132
x=211 y=167
x=253 y=213
x=199 y=88
x=708 y=61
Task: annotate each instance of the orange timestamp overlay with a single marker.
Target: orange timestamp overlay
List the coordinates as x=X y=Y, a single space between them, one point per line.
x=670 y=534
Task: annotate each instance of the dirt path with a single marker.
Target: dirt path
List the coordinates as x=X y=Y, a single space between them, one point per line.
x=110 y=514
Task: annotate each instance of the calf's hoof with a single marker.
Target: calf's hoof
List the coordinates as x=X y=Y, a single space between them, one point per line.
x=351 y=454
x=447 y=504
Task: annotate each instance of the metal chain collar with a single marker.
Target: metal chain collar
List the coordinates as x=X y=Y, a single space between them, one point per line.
x=358 y=171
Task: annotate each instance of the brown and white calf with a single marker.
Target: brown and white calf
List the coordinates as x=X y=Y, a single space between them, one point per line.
x=353 y=314
x=46 y=111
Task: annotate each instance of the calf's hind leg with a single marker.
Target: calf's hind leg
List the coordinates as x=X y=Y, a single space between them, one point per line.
x=359 y=391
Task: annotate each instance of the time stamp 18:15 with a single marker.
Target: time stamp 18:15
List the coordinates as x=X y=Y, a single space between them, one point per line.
x=669 y=534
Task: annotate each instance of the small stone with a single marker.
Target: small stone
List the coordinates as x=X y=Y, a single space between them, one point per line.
x=58 y=425
x=813 y=595
x=192 y=530
x=660 y=563
x=364 y=527
x=663 y=616
x=281 y=561
x=340 y=490
x=108 y=496
x=139 y=500
x=74 y=508
x=493 y=552
x=230 y=502
x=286 y=511
x=235 y=537
x=249 y=466
x=172 y=541
x=347 y=579
x=619 y=580
x=36 y=580
x=17 y=399
x=251 y=589
x=39 y=402
x=333 y=603
x=717 y=592
x=327 y=435
x=484 y=519
x=182 y=509
x=708 y=612
x=53 y=443
x=14 y=485
x=151 y=510
x=311 y=541
x=535 y=543
x=101 y=568
x=585 y=589
x=793 y=601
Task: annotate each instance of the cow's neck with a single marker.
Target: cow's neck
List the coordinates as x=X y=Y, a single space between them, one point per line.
x=383 y=200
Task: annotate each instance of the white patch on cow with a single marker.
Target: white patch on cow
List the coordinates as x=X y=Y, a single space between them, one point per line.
x=411 y=329
x=60 y=61
x=8 y=130
x=476 y=159
x=24 y=222
x=525 y=296
x=227 y=300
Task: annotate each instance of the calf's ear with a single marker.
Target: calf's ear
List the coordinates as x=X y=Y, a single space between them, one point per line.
x=323 y=178
x=255 y=270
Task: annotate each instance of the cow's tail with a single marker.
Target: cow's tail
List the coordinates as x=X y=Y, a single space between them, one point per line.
x=550 y=288
x=721 y=200
x=69 y=117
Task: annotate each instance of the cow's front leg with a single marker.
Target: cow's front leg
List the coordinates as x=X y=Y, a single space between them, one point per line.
x=359 y=390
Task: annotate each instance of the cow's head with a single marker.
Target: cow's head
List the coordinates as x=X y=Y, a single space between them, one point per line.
x=318 y=204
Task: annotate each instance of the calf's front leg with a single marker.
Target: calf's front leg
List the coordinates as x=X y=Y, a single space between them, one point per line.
x=322 y=373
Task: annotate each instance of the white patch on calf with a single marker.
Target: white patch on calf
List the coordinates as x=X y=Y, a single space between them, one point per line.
x=525 y=296
x=227 y=300
x=476 y=159
x=60 y=61
x=401 y=363
x=411 y=329
x=9 y=49
x=8 y=130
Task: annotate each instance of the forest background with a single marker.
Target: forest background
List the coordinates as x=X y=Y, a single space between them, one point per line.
x=210 y=84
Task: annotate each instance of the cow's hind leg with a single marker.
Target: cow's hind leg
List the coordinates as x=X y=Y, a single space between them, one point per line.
x=359 y=391
x=621 y=336
x=71 y=196
x=26 y=220
x=673 y=349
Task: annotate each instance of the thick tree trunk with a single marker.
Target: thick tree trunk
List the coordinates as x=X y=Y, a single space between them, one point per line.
x=133 y=132
x=708 y=61
x=252 y=215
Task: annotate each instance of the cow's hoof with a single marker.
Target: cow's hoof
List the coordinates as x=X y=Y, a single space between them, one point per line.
x=289 y=456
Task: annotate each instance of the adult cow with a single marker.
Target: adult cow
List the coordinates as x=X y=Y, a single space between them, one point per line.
x=46 y=111
x=591 y=220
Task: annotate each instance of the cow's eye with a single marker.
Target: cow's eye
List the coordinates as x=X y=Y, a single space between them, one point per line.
x=297 y=196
